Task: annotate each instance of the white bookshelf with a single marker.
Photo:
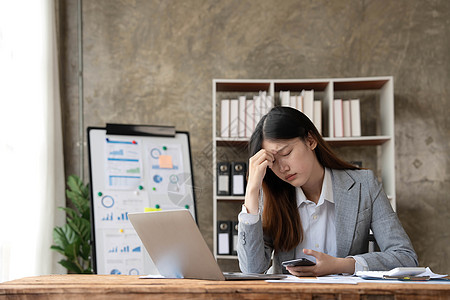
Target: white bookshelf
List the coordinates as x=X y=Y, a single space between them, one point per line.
x=325 y=89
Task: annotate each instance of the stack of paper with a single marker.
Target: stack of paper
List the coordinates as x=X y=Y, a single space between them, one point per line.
x=402 y=272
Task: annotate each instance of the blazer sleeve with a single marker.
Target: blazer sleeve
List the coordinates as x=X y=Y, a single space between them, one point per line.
x=395 y=246
x=254 y=249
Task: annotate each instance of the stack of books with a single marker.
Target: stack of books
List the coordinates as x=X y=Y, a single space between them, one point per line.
x=305 y=103
x=239 y=117
x=347 y=118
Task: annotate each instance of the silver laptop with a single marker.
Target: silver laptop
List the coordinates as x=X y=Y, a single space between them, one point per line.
x=177 y=247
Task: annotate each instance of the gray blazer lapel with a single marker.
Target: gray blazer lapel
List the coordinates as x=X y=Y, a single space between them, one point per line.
x=346 y=194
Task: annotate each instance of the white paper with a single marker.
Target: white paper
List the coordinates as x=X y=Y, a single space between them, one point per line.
x=150 y=276
x=324 y=279
x=238 y=184
x=224 y=243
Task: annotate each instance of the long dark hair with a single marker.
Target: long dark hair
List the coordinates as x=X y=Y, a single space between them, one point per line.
x=281 y=219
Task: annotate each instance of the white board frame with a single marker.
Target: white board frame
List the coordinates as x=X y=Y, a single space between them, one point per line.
x=119 y=230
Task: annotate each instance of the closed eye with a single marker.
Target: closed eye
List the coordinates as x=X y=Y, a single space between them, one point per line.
x=286 y=153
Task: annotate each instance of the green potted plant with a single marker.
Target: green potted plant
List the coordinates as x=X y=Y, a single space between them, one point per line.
x=72 y=239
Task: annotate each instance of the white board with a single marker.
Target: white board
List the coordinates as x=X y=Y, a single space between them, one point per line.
x=133 y=173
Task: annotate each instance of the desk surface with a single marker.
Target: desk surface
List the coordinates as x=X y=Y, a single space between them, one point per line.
x=95 y=287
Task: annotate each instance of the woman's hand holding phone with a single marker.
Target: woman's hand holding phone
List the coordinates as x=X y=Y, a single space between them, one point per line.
x=325 y=265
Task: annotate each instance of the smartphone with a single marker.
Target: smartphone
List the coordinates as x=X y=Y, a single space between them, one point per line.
x=298 y=262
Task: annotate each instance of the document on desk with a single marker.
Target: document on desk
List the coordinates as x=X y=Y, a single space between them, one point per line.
x=152 y=276
x=338 y=279
x=341 y=279
x=388 y=275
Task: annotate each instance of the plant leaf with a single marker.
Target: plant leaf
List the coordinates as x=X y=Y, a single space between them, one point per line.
x=62 y=236
x=70 y=265
x=72 y=239
x=71 y=213
x=71 y=250
x=57 y=249
x=75 y=199
x=74 y=183
x=85 y=251
x=81 y=227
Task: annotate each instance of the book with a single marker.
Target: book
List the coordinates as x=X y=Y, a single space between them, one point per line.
x=300 y=103
x=263 y=95
x=346 y=118
x=269 y=103
x=257 y=110
x=338 y=118
x=308 y=103
x=317 y=119
x=225 y=118
x=241 y=116
x=285 y=97
x=293 y=102
x=234 y=117
x=355 y=117
x=249 y=115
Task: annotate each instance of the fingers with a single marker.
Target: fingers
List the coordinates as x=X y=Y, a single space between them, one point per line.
x=311 y=252
x=258 y=164
x=262 y=158
x=302 y=271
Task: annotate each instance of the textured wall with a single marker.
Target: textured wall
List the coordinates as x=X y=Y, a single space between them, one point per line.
x=152 y=62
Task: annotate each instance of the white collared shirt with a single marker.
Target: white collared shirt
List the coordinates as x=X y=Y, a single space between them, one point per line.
x=318 y=221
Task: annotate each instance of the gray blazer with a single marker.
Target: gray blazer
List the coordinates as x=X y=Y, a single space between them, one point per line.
x=360 y=205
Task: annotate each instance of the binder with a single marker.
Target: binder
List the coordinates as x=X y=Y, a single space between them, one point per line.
x=241 y=116
x=346 y=116
x=338 y=118
x=285 y=98
x=224 y=237
x=249 y=117
x=263 y=95
x=269 y=103
x=238 y=172
x=317 y=120
x=234 y=233
x=308 y=103
x=223 y=178
x=234 y=118
x=225 y=118
x=300 y=103
x=257 y=110
x=355 y=117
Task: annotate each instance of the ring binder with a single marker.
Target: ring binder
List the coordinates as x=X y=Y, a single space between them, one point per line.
x=223 y=178
x=223 y=237
x=238 y=171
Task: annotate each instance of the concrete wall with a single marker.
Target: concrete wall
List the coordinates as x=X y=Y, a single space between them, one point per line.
x=152 y=62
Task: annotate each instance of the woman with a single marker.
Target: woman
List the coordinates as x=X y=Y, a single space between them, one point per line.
x=303 y=201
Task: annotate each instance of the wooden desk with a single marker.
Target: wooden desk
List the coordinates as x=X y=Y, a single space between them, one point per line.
x=109 y=287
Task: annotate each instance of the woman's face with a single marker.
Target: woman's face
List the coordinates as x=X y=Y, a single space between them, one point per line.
x=295 y=161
